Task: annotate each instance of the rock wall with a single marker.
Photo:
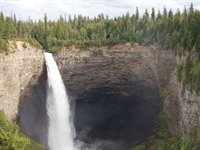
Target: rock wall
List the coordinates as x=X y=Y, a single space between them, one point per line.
x=87 y=69
x=182 y=108
x=125 y=71
x=20 y=67
x=115 y=90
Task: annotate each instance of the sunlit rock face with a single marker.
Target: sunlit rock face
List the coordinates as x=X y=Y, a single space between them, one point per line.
x=115 y=92
x=20 y=67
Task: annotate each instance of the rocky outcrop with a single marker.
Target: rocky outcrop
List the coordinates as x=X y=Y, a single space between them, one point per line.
x=20 y=68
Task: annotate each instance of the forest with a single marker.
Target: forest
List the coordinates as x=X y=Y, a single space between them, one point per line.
x=178 y=31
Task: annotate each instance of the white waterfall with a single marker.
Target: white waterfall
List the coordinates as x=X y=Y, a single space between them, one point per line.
x=60 y=135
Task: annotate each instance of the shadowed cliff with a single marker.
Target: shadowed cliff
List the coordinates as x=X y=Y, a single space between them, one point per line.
x=115 y=92
x=32 y=116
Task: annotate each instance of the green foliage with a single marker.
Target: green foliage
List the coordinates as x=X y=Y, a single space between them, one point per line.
x=189 y=73
x=15 y=44
x=3 y=46
x=195 y=76
x=184 y=144
x=34 y=146
x=164 y=92
x=24 y=45
x=12 y=139
x=171 y=30
x=34 y=42
x=178 y=31
x=164 y=143
x=179 y=71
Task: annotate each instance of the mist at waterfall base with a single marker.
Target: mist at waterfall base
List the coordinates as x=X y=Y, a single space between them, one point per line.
x=61 y=132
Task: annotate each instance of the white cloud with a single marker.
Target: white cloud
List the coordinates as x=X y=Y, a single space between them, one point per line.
x=55 y=8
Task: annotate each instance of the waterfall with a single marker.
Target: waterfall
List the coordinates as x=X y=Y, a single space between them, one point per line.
x=60 y=135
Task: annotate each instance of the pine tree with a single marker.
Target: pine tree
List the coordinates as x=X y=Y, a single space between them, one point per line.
x=191 y=10
x=45 y=32
x=137 y=13
x=153 y=14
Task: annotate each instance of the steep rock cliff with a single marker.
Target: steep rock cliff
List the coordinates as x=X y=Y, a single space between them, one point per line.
x=116 y=90
x=182 y=107
x=20 y=67
x=87 y=69
x=117 y=78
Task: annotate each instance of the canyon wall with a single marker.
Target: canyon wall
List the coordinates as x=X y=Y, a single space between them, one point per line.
x=182 y=107
x=20 y=67
x=115 y=90
x=133 y=70
x=131 y=76
x=87 y=69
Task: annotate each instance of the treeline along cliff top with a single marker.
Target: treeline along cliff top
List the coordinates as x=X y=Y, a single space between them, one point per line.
x=178 y=31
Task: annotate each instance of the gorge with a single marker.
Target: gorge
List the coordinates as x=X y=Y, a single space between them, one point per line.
x=131 y=82
x=114 y=91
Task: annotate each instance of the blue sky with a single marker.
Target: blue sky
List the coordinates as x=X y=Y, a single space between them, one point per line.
x=54 y=8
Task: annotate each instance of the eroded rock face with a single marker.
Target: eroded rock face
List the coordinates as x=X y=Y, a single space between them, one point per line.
x=32 y=117
x=85 y=70
x=20 y=68
x=115 y=90
x=182 y=108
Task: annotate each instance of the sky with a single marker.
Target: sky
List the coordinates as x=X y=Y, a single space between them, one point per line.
x=35 y=9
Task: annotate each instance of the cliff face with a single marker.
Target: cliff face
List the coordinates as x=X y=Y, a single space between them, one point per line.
x=132 y=73
x=182 y=108
x=84 y=70
x=108 y=86
x=115 y=89
x=20 y=67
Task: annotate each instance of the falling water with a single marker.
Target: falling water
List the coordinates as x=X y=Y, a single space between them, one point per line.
x=60 y=135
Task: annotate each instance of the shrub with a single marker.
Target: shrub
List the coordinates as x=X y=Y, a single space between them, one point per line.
x=15 y=44
x=10 y=137
x=195 y=77
x=3 y=46
x=24 y=45
x=34 y=146
x=34 y=42
x=179 y=72
x=164 y=92
x=184 y=144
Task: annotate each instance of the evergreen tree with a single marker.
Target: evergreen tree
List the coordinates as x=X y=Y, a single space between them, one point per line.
x=153 y=14
x=137 y=13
